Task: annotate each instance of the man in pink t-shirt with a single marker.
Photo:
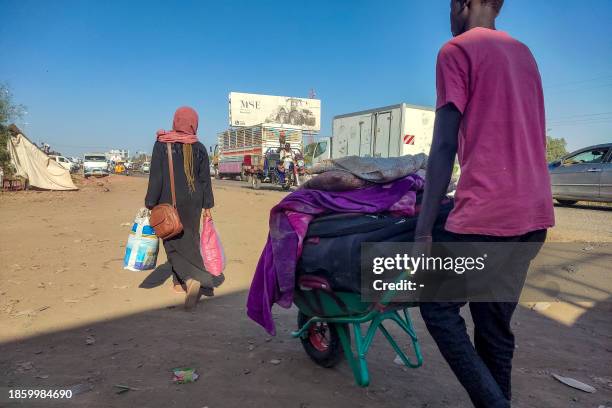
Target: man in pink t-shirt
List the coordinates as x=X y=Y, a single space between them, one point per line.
x=490 y=113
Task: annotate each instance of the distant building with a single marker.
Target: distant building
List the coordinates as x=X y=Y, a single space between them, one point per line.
x=117 y=155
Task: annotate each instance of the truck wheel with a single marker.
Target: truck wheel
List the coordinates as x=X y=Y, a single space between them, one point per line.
x=243 y=176
x=255 y=182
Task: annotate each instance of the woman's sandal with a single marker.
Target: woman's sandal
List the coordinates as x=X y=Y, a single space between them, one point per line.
x=193 y=294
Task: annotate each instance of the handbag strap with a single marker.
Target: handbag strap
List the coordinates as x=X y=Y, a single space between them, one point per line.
x=171 y=167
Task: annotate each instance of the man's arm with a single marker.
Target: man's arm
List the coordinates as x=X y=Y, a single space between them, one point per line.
x=439 y=168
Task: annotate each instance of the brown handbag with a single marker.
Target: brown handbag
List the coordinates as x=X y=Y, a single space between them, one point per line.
x=165 y=218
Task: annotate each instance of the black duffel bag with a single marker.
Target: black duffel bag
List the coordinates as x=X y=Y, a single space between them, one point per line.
x=332 y=246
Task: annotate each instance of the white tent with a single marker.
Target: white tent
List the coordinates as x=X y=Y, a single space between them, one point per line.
x=34 y=165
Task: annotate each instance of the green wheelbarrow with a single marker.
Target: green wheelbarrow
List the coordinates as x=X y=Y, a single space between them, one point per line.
x=325 y=319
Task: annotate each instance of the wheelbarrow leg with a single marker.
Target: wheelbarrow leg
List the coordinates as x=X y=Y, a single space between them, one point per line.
x=358 y=363
x=406 y=325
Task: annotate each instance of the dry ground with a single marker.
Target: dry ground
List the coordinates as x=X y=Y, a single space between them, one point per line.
x=62 y=286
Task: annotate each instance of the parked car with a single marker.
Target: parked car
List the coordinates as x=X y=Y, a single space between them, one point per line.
x=146 y=167
x=94 y=164
x=585 y=174
x=62 y=161
x=74 y=164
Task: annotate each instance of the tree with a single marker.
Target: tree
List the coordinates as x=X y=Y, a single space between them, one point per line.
x=555 y=148
x=8 y=112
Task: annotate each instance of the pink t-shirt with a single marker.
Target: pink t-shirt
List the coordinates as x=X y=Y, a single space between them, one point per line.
x=504 y=187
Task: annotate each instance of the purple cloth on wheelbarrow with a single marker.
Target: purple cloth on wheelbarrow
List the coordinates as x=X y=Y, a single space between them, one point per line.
x=274 y=278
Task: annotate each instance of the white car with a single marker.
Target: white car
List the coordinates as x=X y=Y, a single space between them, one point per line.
x=62 y=161
x=146 y=167
x=94 y=164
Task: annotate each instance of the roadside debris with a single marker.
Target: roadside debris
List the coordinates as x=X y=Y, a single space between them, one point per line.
x=540 y=306
x=569 y=268
x=275 y=362
x=124 y=388
x=30 y=312
x=90 y=340
x=81 y=388
x=25 y=366
x=574 y=383
x=184 y=375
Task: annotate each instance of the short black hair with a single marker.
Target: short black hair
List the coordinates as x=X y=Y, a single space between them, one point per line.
x=496 y=4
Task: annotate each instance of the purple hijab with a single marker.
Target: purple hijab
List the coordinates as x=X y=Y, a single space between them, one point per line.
x=274 y=278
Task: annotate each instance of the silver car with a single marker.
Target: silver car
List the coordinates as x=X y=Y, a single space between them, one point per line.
x=585 y=174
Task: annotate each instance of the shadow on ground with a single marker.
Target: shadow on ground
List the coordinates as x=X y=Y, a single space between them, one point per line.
x=233 y=355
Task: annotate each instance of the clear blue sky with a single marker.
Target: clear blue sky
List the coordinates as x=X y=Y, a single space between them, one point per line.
x=96 y=75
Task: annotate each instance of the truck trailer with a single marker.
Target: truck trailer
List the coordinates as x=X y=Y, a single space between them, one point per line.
x=390 y=131
x=239 y=151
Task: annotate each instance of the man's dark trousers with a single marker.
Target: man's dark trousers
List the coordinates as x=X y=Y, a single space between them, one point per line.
x=484 y=369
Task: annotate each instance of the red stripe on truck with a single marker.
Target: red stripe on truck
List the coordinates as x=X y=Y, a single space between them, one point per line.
x=409 y=139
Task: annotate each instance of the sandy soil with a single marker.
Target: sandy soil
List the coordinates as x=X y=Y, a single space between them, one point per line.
x=71 y=317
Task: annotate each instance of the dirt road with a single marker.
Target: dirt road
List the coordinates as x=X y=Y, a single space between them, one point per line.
x=71 y=316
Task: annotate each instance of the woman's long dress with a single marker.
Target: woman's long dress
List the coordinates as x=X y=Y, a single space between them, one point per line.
x=183 y=251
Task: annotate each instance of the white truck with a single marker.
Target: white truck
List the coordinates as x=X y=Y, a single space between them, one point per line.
x=390 y=131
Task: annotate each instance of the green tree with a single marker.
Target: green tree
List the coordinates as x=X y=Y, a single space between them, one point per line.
x=555 y=148
x=9 y=111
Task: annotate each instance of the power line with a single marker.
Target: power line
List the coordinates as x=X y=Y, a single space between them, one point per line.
x=558 y=91
x=582 y=115
x=562 y=84
x=580 y=120
x=595 y=122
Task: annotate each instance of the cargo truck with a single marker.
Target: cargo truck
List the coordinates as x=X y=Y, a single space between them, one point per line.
x=239 y=152
x=390 y=131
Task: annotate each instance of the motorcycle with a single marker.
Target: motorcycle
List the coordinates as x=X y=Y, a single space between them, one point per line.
x=284 y=173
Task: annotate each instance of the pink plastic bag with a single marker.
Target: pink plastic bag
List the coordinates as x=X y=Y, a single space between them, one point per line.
x=211 y=248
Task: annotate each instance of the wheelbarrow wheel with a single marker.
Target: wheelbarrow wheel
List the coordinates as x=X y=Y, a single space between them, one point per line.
x=322 y=342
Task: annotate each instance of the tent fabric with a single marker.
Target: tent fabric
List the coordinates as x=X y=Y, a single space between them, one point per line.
x=34 y=165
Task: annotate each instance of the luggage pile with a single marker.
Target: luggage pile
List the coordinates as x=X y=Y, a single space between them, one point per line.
x=332 y=245
x=332 y=248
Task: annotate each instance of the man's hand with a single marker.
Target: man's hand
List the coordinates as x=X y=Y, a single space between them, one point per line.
x=207 y=213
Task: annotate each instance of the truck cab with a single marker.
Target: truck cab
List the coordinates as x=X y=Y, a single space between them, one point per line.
x=317 y=151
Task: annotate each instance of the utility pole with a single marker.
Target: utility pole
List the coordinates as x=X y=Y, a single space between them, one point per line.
x=311 y=95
